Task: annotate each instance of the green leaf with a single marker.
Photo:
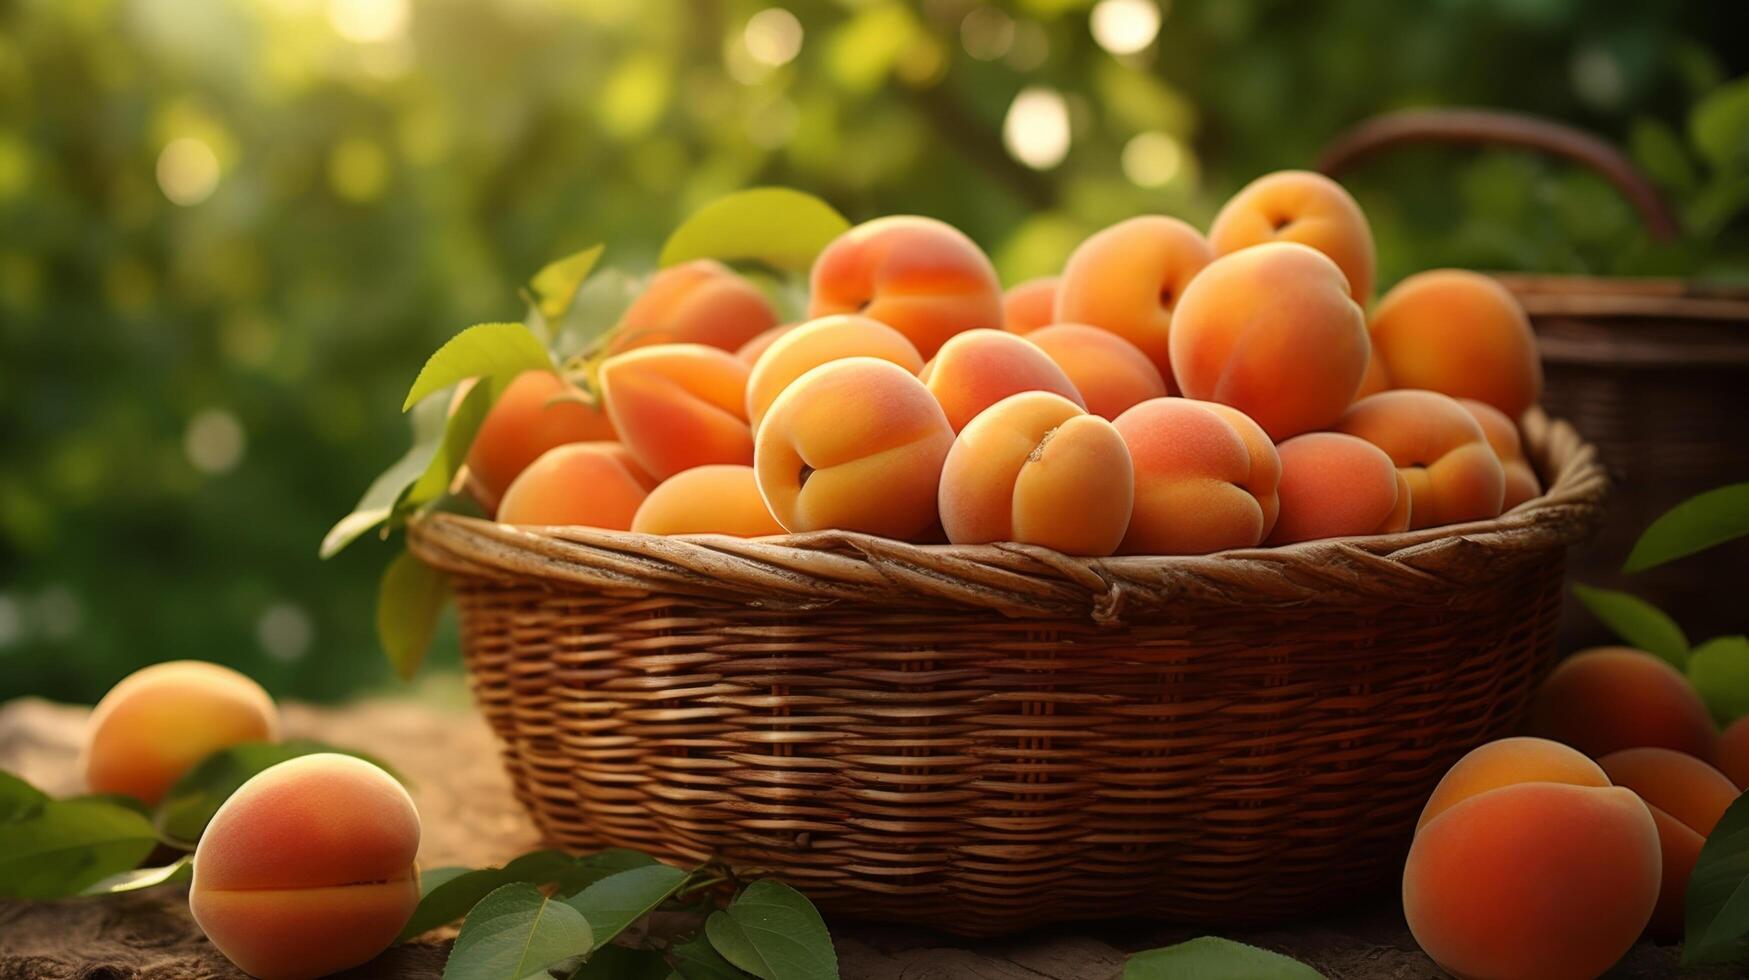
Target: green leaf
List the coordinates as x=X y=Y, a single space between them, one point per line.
x=556 y=284
x=185 y=810
x=448 y=893
x=1719 y=125
x=409 y=602
x=516 y=932
x=116 y=799
x=1661 y=155
x=1696 y=524
x=452 y=450
x=622 y=963
x=174 y=873
x=773 y=932
x=19 y=800
x=386 y=491
x=617 y=901
x=1638 y=622
x=1719 y=670
x=66 y=846
x=697 y=959
x=1718 y=892
x=591 y=868
x=487 y=350
x=783 y=228
x=1214 y=958
x=598 y=308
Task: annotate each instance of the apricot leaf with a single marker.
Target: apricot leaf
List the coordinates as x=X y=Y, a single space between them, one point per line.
x=556 y=284
x=184 y=812
x=1719 y=126
x=452 y=450
x=386 y=491
x=516 y=932
x=1637 y=621
x=617 y=901
x=1718 y=892
x=67 y=845
x=446 y=894
x=623 y=963
x=780 y=227
x=19 y=800
x=409 y=601
x=697 y=959
x=174 y=873
x=485 y=350
x=1719 y=670
x=1696 y=524
x=1214 y=958
x=773 y=932
x=591 y=868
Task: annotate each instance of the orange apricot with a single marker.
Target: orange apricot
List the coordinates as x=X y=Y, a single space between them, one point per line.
x=1111 y=373
x=534 y=413
x=1687 y=797
x=1502 y=435
x=307 y=869
x=1304 y=207
x=1271 y=331
x=1460 y=333
x=1198 y=488
x=155 y=725
x=979 y=368
x=721 y=499
x=922 y=277
x=677 y=406
x=814 y=343
x=697 y=302
x=1607 y=699
x=1335 y=485
x=1507 y=762
x=1130 y=278
x=1453 y=475
x=1732 y=752
x=752 y=349
x=584 y=484
x=1030 y=305
x=1037 y=469
x=855 y=444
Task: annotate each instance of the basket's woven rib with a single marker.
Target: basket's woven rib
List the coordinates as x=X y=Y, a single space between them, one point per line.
x=983 y=739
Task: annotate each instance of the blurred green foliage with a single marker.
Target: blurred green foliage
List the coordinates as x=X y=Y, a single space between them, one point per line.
x=230 y=230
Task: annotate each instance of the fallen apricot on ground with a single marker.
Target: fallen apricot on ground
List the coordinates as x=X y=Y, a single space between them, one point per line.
x=1460 y=333
x=1304 y=207
x=1037 y=469
x=855 y=444
x=812 y=344
x=676 y=406
x=1197 y=489
x=534 y=413
x=1335 y=485
x=1111 y=373
x=1530 y=866
x=979 y=368
x=1687 y=797
x=161 y=720
x=1129 y=279
x=922 y=277
x=584 y=484
x=1271 y=331
x=1607 y=699
x=719 y=499
x=307 y=869
x=1502 y=435
x=697 y=302
x=1452 y=473
x=1030 y=305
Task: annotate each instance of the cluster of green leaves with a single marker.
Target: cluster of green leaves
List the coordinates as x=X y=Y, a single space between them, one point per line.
x=565 y=331
x=1719 y=667
x=94 y=844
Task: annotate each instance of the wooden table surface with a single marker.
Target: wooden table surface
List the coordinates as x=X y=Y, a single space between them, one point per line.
x=471 y=819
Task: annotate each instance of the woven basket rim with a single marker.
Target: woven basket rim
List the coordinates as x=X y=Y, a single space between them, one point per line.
x=1434 y=565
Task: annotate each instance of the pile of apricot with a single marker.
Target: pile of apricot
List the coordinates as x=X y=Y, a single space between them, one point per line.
x=1170 y=392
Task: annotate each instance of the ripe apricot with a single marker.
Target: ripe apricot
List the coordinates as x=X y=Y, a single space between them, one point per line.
x=161 y=720
x=677 y=406
x=1732 y=753
x=1502 y=435
x=1030 y=305
x=1453 y=475
x=720 y=499
x=1460 y=333
x=750 y=351
x=535 y=412
x=1304 y=207
x=1111 y=373
x=1335 y=485
x=1532 y=867
x=922 y=277
x=584 y=484
x=1197 y=487
x=1607 y=699
x=814 y=343
x=307 y=869
x=1687 y=797
x=1036 y=468
x=979 y=368
x=697 y=302
x=1130 y=278
x=1271 y=331
x=855 y=444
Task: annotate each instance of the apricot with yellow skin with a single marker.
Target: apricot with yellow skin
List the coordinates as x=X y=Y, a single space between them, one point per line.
x=585 y=484
x=719 y=499
x=1303 y=207
x=979 y=368
x=1130 y=278
x=677 y=406
x=1453 y=474
x=812 y=344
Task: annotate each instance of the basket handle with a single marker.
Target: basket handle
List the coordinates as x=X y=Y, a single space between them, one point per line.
x=1487 y=127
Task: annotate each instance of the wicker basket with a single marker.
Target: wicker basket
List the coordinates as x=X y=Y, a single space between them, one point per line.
x=1655 y=371
x=982 y=739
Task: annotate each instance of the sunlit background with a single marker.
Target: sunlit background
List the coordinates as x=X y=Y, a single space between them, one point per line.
x=231 y=229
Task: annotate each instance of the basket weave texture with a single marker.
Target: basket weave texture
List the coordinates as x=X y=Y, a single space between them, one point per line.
x=987 y=738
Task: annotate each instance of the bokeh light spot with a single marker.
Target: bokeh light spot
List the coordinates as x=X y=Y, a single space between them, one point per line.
x=987 y=33
x=188 y=171
x=369 y=20
x=285 y=632
x=773 y=37
x=1036 y=129
x=1125 y=26
x=214 y=441
x=1152 y=159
